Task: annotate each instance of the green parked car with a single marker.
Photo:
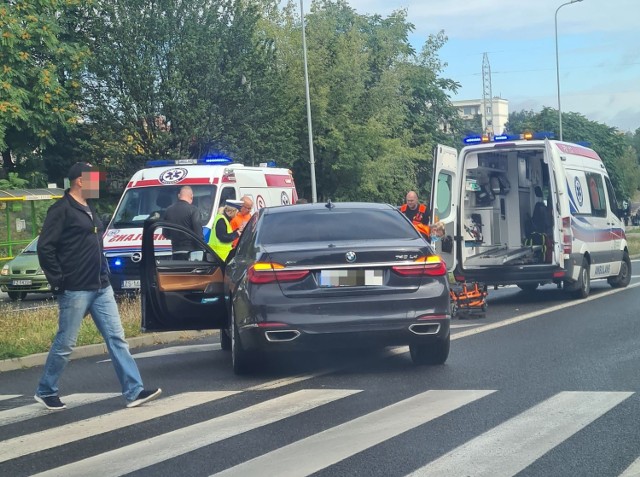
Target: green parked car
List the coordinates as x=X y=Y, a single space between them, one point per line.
x=23 y=274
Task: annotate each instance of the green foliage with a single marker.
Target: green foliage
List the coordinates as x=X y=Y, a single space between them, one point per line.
x=13 y=182
x=39 y=76
x=609 y=143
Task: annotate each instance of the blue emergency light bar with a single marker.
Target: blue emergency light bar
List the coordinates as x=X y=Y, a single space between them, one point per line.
x=527 y=136
x=205 y=161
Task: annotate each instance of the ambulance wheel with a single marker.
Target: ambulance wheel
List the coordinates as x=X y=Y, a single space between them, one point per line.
x=624 y=277
x=433 y=352
x=528 y=287
x=583 y=285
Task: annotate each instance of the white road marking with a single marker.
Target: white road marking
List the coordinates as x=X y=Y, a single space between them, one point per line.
x=326 y=448
x=94 y=426
x=534 y=314
x=36 y=409
x=5 y=397
x=181 y=441
x=510 y=447
x=173 y=350
x=633 y=470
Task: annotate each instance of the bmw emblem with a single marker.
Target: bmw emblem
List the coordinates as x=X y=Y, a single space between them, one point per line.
x=350 y=257
x=136 y=257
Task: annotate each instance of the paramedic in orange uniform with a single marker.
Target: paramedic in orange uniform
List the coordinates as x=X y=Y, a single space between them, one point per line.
x=242 y=217
x=417 y=213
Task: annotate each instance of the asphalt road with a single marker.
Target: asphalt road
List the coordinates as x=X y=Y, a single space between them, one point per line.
x=542 y=386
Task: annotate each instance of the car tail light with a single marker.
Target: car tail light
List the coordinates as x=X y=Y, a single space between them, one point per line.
x=566 y=235
x=431 y=265
x=262 y=272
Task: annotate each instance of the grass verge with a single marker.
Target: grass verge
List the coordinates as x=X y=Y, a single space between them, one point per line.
x=26 y=332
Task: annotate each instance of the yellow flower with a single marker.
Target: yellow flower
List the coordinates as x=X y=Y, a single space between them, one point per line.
x=25 y=35
x=23 y=55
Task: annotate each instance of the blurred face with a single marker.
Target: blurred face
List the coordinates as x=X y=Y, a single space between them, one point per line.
x=412 y=201
x=246 y=207
x=90 y=184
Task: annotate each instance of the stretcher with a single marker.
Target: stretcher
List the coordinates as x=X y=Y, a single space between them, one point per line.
x=468 y=300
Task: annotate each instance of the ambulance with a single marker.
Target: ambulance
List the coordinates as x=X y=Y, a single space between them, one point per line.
x=151 y=190
x=527 y=211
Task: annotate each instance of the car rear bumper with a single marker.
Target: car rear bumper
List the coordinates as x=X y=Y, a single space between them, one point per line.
x=295 y=338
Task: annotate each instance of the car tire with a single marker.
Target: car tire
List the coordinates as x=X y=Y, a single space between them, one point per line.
x=624 y=276
x=239 y=357
x=583 y=285
x=15 y=296
x=225 y=340
x=528 y=287
x=434 y=352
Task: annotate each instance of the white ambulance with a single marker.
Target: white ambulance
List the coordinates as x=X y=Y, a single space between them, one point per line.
x=152 y=190
x=528 y=211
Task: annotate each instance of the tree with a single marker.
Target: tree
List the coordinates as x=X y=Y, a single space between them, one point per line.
x=39 y=78
x=608 y=142
x=184 y=78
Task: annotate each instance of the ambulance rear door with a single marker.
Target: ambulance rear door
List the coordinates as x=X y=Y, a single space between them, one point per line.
x=445 y=200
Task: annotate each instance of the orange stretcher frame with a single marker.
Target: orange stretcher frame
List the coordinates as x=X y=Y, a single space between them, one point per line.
x=468 y=300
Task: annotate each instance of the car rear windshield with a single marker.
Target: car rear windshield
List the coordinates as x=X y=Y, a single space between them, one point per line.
x=323 y=225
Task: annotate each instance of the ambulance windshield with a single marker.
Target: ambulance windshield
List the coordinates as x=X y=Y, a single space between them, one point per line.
x=140 y=203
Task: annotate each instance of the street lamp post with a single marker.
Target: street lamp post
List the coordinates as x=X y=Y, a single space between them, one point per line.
x=558 y=64
x=312 y=161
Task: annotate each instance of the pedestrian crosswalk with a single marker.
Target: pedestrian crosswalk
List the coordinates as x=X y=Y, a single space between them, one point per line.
x=503 y=450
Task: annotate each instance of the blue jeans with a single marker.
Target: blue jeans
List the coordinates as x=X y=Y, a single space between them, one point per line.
x=73 y=306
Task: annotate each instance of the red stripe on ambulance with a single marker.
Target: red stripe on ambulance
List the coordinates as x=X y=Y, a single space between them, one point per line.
x=276 y=180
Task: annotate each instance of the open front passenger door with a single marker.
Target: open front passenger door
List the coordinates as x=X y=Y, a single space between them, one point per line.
x=184 y=290
x=445 y=196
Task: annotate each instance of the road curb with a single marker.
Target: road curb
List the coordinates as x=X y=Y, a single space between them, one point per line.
x=101 y=349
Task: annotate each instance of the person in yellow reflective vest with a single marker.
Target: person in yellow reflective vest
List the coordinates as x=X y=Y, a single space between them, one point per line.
x=222 y=235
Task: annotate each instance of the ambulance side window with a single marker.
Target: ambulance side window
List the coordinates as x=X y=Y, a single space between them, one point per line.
x=596 y=194
x=228 y=193
x=444 y=185
x=613 y=202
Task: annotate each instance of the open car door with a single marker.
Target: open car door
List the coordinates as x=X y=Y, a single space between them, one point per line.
x=445 y=194
x=180 y=291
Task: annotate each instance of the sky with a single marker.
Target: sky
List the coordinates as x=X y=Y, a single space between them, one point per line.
x=598 y=51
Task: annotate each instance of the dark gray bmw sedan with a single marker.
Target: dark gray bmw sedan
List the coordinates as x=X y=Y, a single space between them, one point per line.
x=303 y=277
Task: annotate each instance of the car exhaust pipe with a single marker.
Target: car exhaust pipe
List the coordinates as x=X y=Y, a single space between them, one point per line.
x=281 y=335
x=425 y=328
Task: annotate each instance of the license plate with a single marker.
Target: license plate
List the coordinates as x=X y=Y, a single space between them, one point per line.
x=350 y=278
x=130 y=283
x=21 y=282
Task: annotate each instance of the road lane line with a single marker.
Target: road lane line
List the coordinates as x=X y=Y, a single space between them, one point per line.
x=512 y=446
x=31 y=411
x=58 y=436
x=187 y=439
x=534 y=314
x=326 y=448
x=5 y=397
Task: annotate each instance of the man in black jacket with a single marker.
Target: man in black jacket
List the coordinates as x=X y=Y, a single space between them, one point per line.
x=183 y=213
x=70 y=254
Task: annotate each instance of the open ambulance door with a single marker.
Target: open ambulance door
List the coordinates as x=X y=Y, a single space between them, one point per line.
x=180 y=291
x=560 y=204
x=445 y=194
